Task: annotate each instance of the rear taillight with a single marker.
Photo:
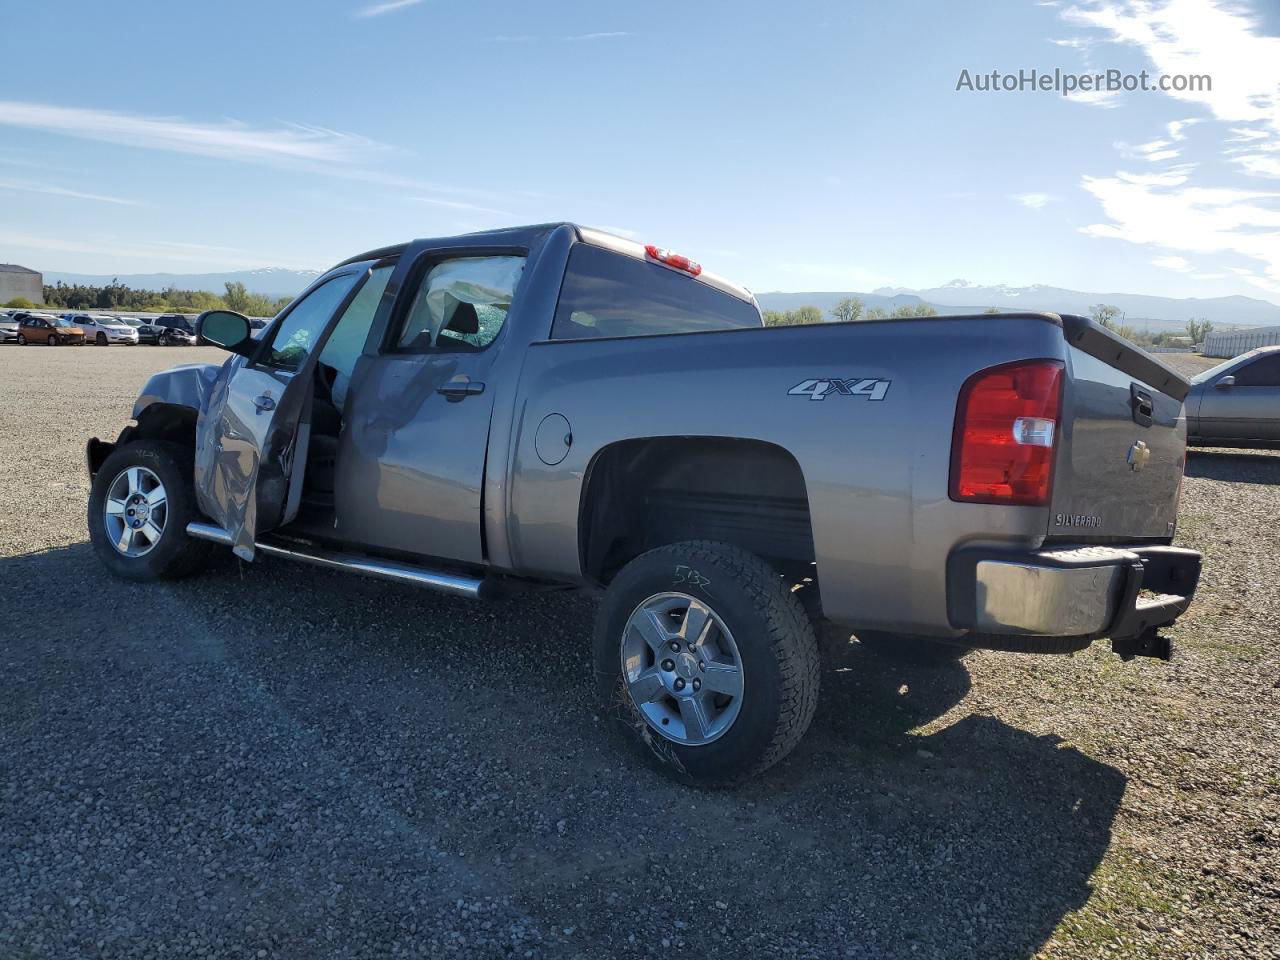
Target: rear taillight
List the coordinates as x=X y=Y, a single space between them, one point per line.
x=1005 y=433
x=669 y=258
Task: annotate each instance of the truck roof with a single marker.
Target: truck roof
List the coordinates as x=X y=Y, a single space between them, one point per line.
x=526 y=235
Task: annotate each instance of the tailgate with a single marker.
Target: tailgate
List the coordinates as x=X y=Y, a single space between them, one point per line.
x=1119 y=469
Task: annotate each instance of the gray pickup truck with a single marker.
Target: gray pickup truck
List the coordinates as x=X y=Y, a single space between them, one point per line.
x=553 y=407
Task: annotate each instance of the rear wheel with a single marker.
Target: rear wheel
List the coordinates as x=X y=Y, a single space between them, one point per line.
x=704 y=653
x=22 y=340
x=905 y=648
x=142 y=499
x=162 y=340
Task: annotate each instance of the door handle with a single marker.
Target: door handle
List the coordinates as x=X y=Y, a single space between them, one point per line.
x=264 y=402
x=461 y=387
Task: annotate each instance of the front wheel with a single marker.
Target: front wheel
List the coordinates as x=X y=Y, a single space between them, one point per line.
x=102 y=339
x=141 y=501
x=52 y=341
x=705 y=654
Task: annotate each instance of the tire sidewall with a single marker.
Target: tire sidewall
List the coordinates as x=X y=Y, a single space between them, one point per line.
x=169 y=557
x=673 y=570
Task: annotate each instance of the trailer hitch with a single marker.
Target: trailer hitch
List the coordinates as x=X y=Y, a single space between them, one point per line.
x=1147 y=643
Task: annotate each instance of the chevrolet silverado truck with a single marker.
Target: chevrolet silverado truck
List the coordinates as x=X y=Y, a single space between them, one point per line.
x=553 y=407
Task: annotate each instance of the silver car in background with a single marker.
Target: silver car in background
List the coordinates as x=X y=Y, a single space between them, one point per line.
x=1237 y=403
x=103 y=330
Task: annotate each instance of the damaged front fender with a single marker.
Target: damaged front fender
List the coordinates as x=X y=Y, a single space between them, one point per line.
x=187 y=385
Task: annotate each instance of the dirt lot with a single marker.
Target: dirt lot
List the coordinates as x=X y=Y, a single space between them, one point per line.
x=279 y=762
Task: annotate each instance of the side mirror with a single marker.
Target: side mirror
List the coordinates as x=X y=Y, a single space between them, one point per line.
x=226 y=329
x=1226 y=383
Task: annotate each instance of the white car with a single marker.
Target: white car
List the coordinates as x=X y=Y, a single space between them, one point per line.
x=8 y=328
x=103 y=330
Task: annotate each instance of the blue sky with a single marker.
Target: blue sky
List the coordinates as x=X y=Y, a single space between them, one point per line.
x=805 y=146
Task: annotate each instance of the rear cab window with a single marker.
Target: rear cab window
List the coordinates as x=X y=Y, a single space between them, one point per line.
x=607 y=294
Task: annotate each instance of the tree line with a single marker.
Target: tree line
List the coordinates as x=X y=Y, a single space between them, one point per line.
x=1110 y=317
x=852 y=308
x=848 y=309
x=116 y=296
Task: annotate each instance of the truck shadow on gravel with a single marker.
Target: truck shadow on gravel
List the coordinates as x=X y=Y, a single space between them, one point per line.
x=459 y=741
x=1234 y=466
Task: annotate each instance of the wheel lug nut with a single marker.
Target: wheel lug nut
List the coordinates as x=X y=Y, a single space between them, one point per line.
x=697 y=684
x=668 y=665
x=679 y=684
x=675 y=647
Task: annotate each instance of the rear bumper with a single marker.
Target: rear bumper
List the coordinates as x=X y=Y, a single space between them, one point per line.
x=1007 y=599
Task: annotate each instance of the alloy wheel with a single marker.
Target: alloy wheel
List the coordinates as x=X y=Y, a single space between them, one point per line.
x=135 y=511
x=682 y=668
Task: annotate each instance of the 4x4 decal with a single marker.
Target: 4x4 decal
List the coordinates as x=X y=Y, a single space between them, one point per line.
x=870 y=388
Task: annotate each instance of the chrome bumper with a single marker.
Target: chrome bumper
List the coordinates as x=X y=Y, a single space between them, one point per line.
x=1086 y=592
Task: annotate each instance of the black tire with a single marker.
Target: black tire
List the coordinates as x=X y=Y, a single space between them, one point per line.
x=904 y=648
x=775 y=641
x=102 y=340
x=176 y=554
x=52 y=341
x=162 y=340
x=22 y=340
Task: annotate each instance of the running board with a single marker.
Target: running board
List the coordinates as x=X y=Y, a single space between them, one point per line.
x=459 y=585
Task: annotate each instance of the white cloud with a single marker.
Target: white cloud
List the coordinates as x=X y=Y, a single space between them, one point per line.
x=125 y=252
x=605 y=35
x=460 y=205
x=1167 y=213
x=27 y=186
x=378 y=9
x=295 y=146
x=236 y=141
x=1166 y=209
x=1217 y=38
x=1033 y=201
x=1106 y=99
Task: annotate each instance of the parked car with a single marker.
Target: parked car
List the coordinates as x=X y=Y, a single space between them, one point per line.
x=47 y=329
x=103 y=330
x=554 y=407
x=8 y=329
x=169 y=330
x=1237 y=403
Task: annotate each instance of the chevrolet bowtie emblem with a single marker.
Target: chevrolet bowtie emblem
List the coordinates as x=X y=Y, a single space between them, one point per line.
x=1138 y=456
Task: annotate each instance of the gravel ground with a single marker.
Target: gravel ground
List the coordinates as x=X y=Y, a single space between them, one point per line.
x=279 y=762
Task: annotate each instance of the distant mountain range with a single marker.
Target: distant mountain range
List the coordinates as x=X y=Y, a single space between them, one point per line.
x=959 y=296
x=273 y=281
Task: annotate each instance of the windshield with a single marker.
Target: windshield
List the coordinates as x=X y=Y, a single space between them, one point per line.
x=62 y=322
x=1220 y=369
